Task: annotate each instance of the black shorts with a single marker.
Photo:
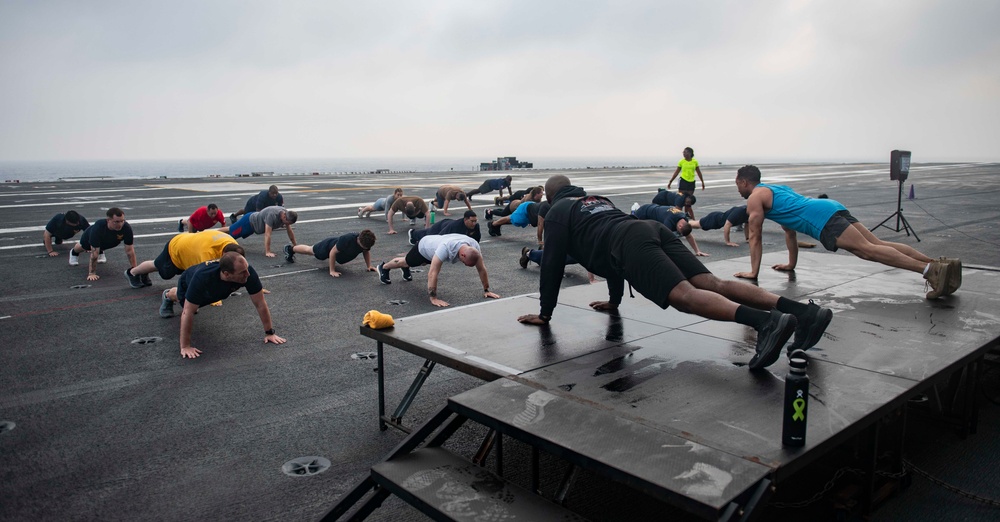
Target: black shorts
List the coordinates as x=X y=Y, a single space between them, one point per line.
x=837 y=224
x=485 y=187
x=653 y=260
x=164 y=265
x=685 y=186
x=322 y=249
x=413 y=258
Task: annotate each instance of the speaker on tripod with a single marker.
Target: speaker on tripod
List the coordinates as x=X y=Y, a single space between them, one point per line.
x=899 y=170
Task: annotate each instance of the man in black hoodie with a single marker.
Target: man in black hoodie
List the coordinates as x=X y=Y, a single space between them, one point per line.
x=619 y=248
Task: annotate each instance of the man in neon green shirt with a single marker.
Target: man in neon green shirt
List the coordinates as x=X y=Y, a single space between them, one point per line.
x=687 y=168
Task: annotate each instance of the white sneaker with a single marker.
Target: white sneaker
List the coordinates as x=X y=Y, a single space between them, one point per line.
x=102 y=259
x=361 y=211
x=74 y=260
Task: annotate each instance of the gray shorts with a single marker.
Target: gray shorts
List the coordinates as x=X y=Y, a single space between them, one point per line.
x=837 y=224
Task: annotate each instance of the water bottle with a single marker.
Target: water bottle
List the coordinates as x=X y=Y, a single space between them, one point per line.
x=793 y=431
x=433 y=213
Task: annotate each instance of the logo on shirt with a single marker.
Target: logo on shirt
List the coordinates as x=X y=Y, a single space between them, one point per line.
x=596 y=204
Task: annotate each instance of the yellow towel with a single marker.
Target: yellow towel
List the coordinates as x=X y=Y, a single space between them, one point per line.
x=378 y=320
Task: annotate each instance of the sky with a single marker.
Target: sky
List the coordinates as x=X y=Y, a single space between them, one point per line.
x=779 y=80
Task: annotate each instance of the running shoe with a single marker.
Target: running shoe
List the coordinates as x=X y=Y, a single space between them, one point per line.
x=74 y=259
x=166 y=306
x=413 y=222
x=406 y=274
x=937 y=277
x=409 y=237
x=771 y=337
x=232 y=218
x=494 y=230
x=524 y=257
x=810 y=327
x=361 y=211
x=133 y=280
x=383 y=274
x=489 y=214
x=102 y=259
x=180 y=225
x=289 y=254
x=145 y=280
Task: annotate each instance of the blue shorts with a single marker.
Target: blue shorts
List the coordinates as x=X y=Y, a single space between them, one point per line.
x=251 y=205
x=520 y=216
x=242 y=228
x=379 y=204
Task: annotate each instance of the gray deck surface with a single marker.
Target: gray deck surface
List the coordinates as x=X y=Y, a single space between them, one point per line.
x=109 y=429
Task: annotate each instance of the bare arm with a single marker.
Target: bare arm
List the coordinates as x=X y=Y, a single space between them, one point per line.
x=291 y=234
x=368 y=261
x=672 y=178
x=754 y=226
x=267 y=241
x=694 y=246
x=432 y=280
x=698 y=170
x=130 y=252
x=388 y=218
x=47 y=243
x=541 y=227
x=187 y=323
x=485 y=278
x=725 y=233
x=792 y=243
x=265 y=317
x=92 y=266
x=333 y=262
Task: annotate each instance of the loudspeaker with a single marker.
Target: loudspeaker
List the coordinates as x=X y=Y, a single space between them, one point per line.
x=899 y=165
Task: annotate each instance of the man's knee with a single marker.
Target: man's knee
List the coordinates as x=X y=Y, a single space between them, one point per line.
x=681 y=296
x=707 y=281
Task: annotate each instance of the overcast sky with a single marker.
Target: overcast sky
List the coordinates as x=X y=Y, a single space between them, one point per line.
x=831 y=80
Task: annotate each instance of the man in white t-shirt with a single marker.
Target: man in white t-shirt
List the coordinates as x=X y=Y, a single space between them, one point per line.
x=435 y=251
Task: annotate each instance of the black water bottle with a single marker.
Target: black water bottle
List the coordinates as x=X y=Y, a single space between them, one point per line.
x=793 y=432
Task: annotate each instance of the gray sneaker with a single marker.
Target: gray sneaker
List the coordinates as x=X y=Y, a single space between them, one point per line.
x=145 y=280
x=771 y=338
x=133 y=280
x=409 y=236
x=383 y=274
x=166 y=306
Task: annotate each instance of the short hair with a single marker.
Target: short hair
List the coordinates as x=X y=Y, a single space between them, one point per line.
x=72 y=216
x=272 y=188
x=460 y=196
x=227 y=263
x=292 y=216
x=213 y=206
x=366 y=238
x=690 y=199
x=233 y=247
x=554 y=184
x=410 y=210
x=749 y=173
x=689 y=149
x=509 y=177
x=469 y=214
x=115 y=211
x=472 y=256
x=534 y=191
x=684 y=229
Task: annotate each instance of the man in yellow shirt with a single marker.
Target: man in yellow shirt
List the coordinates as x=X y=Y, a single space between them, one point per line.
x=687 y=168
x=182 y=252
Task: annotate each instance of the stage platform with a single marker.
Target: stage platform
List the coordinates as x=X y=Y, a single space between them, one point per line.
x=663 y=401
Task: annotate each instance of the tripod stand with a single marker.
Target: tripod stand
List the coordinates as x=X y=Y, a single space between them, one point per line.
x=900 y=218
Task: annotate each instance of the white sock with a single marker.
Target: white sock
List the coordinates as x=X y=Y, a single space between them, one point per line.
x=926 y=268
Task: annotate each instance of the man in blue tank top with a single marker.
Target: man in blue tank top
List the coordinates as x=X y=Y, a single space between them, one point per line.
x=833 y=225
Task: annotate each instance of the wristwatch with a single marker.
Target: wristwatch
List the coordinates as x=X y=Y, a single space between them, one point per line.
x=269 y=332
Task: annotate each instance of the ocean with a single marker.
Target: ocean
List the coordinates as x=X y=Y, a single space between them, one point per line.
x=26 y=171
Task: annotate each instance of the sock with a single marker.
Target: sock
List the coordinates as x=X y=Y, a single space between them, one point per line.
x=791 y=307
x=926 y=268
x=751 y=316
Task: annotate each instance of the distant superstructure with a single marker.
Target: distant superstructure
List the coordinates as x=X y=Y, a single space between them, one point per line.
x=506 y=163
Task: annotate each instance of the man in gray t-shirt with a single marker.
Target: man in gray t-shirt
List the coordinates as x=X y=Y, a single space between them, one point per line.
x=435 y=251
x=264 y=222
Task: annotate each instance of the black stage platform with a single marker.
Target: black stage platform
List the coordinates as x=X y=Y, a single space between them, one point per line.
x=662 y=401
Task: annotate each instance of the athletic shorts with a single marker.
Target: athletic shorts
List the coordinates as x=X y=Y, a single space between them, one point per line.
x=837 y=224
x=520 y=216
x=164 y=265
x=713 y=221
x=685 y=186
x=322 y=249
x=379 y=204
x=242 y=229
x=413 y=258
x=653 y=260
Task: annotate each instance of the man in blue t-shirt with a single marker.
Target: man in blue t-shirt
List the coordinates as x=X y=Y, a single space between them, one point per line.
x=490 y=185
x=337 y=249
x=103 y=235
x=62 y=227
x=259 y=201
x=831 y=224
x=674 y=219
x=468 y=225
x=211 y=282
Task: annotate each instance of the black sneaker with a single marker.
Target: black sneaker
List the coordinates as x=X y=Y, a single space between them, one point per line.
x=145 y=280
x=383 y=274
x=524 y=257
x=489 y=214
x=289 y=254
x=810 y=327
x=494 y=230
x=133 y=280
x=771 y=337
x=409 y=237
x=232 y=218
x=406 y=274
x=180 y=225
